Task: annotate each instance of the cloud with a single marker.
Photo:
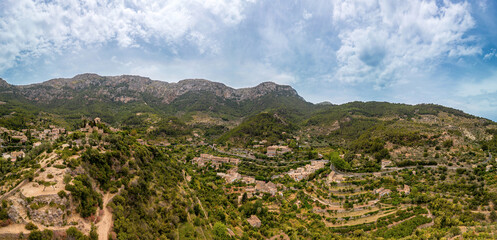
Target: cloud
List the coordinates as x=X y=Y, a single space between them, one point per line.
x=33 y=28
x=306 y=15
x=249 y=74
x=386 y=40
x=471 y=88
x=490 y=55
x=339 y=50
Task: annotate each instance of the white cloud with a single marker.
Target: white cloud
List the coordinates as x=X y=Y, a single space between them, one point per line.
x=34 y=28
x=306 y=15
x=472 y=88
x=477 y=97
x=482 y=4
x=490 y=55
x=248 y=74
x=387 y=40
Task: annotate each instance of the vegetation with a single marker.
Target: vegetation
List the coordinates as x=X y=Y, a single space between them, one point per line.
x=84 y=194
x=269 y=126
x=388 y=170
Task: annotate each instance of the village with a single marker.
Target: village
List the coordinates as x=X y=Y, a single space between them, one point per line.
x=42 y=199
x=346 y=205
x=338 y=207
x=308 y=184
x=18 y=140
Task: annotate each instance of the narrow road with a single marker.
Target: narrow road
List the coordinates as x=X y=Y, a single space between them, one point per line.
x=105 y=224
x=393 y=169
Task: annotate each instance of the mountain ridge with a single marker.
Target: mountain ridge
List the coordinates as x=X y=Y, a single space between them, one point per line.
x=130 y=87
x=132 y=101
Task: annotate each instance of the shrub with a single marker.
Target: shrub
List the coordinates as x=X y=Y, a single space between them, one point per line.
x=31 y=226
x=448 y=143
x=62 y=194
x=74 y=233
x=60 y=166
x=88 y=199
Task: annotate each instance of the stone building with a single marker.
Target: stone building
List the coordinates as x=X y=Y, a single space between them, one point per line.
x=276 y=150
x=254 y=221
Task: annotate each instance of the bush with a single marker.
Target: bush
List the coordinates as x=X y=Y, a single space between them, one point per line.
x=88 y=199
x=60 y=166
x=93 y=233
x=403 y=229
x=62 y=194
x=3 y=211
x=67 y=178
x=31 y=226
x=220 y=231
x=74 y=233
x=36 y=235
x=448 y=143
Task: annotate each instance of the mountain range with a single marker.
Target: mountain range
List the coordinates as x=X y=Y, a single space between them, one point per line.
x=127 y=157
x=265 y=110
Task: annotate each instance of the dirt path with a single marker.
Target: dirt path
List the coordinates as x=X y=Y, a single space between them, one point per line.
x=426 y=225
x=105 y=224
x=23 y=183
x=14 y=229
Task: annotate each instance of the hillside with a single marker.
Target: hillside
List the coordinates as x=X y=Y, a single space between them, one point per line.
x=115 y=99
x=127 y=157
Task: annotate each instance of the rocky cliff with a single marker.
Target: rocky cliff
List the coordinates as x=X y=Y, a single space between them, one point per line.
x=128 y=88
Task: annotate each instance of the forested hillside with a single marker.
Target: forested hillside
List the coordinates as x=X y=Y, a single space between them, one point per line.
x=131 y=158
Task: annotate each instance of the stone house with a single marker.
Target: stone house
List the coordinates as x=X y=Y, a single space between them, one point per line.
x=302 y=172
x=276 y=150
x=270 y=187
x=216 y=161
x=404 y=190
x=335 y=177
x=254 y=221
x=21 y=138
x=15 y=155
x=382 y=191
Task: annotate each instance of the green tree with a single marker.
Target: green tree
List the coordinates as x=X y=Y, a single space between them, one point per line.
x=220 y=231
x=493 y=216
x=93 y=233
x=74 y=234
x=37 y=235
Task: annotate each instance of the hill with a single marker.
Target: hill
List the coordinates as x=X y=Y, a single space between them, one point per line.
x=116 y=99
x=127 y=157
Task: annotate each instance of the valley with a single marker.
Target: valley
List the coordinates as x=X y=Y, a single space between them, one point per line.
x=127 y=157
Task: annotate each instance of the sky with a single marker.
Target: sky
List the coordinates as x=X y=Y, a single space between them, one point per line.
x=416 y=51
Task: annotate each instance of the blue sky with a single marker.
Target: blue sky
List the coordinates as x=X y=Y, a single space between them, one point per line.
x=415 y=51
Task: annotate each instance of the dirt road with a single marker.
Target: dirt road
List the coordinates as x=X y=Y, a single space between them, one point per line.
x=105 y=224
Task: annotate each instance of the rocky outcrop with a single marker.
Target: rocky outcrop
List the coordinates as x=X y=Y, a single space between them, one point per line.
x=49 y=209
x=49 y=217
x=128 y=88
x=51 y=212
x=3 y=84
x=47 y=199
x=15 y=214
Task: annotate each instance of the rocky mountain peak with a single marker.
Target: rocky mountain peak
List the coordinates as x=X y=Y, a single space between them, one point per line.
x=133 y=88
x=3 y=83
